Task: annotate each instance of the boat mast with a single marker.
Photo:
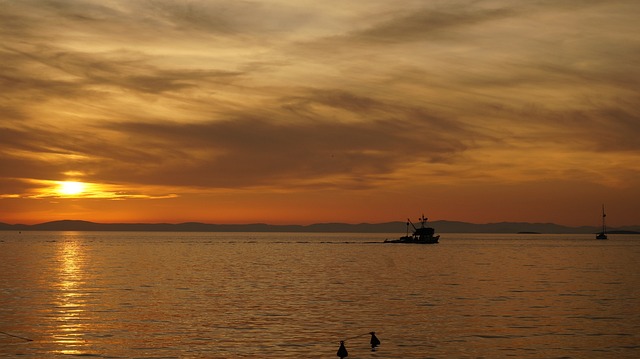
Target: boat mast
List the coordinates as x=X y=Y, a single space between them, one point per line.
x=603 y=216
x=423 y=220
x=412 y=225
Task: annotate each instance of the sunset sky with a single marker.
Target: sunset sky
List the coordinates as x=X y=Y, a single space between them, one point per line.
x=305 y=111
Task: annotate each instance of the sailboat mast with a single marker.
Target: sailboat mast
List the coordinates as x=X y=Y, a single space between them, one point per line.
x=603 y=216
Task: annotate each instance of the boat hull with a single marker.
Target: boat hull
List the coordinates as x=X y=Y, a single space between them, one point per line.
x=412 y=240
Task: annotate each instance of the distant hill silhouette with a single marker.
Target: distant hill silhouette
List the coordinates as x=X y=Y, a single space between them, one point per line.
x=388 y=227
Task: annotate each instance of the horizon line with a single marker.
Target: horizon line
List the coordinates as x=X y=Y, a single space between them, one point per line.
x=305 y=225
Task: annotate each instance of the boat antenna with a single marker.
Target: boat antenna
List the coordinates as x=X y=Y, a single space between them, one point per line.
x=423 y=220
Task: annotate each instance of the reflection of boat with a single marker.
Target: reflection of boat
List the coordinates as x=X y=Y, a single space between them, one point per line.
x=603 y=234
x=422 y=235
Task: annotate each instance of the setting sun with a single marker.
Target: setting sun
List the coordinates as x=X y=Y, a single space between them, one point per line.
x=70 y=188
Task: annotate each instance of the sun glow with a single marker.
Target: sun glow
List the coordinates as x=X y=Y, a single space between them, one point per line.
x=70 y=188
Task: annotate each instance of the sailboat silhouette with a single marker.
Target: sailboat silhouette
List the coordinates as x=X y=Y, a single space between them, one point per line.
x=603 y=234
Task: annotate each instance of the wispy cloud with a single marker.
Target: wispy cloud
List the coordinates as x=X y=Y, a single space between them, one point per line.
x=210 y=95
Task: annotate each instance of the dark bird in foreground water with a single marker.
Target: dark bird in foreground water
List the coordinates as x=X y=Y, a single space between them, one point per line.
x=374 y=341
x=342 y=351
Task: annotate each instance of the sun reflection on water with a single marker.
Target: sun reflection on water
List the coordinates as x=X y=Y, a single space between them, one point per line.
x=70 y=302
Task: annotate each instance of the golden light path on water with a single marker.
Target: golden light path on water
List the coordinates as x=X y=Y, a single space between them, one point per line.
x=70 y=306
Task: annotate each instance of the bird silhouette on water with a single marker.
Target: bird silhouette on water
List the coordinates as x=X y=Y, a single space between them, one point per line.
x=374 y=341
x=342 y=351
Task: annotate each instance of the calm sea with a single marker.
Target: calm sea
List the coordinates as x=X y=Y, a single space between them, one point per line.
x=294 y=295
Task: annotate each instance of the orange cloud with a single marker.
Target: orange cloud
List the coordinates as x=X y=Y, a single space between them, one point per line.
x=308 y=104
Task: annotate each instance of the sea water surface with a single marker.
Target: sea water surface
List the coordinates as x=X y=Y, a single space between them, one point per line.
x=297 y=295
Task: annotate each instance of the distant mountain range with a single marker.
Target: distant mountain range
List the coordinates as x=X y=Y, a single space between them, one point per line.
x=388 y=227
